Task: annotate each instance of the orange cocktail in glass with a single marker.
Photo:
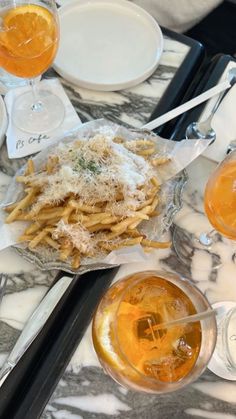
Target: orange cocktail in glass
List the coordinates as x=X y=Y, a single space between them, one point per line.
x=133 y=341
x=28 y=40
x=220 y=197
x=29 y=36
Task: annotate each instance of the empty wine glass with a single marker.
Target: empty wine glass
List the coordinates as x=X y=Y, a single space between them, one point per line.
x=29 y=36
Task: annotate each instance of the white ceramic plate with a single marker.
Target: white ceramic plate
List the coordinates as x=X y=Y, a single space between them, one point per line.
x=216 y=365
x=107 y=44
x=3 y=120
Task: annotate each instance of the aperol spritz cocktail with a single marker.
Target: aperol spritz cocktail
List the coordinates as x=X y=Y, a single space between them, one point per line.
x=220 y=197
x=132 y=338
x=28 y=40
x=29 y=37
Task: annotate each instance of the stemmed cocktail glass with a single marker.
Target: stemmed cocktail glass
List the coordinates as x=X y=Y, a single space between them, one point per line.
x=29 y=37
x=220 y=209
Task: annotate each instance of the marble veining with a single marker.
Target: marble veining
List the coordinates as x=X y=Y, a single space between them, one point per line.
x=84 y=391
x=210 y=396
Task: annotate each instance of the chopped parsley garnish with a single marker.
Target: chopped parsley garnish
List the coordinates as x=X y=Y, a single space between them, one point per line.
x=90 y=165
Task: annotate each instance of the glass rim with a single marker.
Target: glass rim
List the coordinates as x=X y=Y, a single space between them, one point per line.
x=167 y=276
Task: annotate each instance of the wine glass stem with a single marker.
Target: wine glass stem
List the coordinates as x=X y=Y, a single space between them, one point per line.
x=206 y=239
x=37 y=104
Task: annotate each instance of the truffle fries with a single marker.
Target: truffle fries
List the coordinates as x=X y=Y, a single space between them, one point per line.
x=75 y=228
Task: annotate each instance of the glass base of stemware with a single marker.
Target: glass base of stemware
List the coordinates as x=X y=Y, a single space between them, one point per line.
x=193 y=131
x=44 y=116
x=187 y=247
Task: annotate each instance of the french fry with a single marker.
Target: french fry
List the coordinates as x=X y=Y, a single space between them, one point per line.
x=26 y=237
x=33 y=228
x=157 y=161
x=37 y=239
x=22 y=179
x=122 y=226
x=154 y=213
x=10 y=207
x=102 y=218
x=51 y=242
x=85 y=208
x=21 y=217
x=29 y=168
x=157 y=245
x=109 y=220
x=51 y=164
x=145 y=203
x=122 y=243
x=146 y=151
x=75 y=260
x=154 y=205
x=79 y=217
x=48 y=215
x=155 y=181
x=65 y=251
x=27 y=200
x=144 y=142
x=135 y=224
x=118 y=140
x=133 y=233
x=112 y=235
x=99 y=227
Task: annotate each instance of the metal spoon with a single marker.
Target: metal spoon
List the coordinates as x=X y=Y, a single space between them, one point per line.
x=188 y=319
x=203 y=130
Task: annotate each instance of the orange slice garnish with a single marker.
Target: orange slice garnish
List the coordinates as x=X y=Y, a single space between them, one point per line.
x=28 y=30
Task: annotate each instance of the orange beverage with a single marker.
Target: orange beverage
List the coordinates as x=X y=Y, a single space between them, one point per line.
x=220 y=198
x=29 y=38
x=133 y=341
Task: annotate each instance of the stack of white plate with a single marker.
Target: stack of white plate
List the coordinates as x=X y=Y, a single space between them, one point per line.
x=107 y=44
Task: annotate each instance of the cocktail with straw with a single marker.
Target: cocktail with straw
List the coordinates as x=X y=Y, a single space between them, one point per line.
x=154 y=332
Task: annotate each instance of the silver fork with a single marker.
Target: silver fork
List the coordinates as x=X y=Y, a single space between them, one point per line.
x=3 y=283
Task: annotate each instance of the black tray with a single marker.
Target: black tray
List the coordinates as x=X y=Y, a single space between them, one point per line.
x=211 y=76
x=28 y=388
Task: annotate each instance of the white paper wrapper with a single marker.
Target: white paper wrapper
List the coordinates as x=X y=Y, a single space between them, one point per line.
x=20 y=143
x=171 y=174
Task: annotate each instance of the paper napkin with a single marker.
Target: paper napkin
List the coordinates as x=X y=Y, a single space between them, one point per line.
x=20 y=143
x=223 y=122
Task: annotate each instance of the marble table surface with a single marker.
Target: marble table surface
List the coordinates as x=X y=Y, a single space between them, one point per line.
x=85 y=391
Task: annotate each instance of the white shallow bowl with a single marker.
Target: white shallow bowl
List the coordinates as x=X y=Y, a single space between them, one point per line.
x=107 y=44
x=3 y=121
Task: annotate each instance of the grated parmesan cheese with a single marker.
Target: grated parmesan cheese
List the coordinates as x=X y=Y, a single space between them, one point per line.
x=97 y=170
x=78 y=235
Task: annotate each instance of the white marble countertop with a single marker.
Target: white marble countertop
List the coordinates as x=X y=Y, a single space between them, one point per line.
x=85 y=391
